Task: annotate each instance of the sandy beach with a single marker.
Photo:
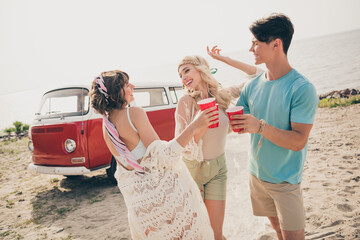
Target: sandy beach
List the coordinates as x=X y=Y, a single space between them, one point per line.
x=34 y=206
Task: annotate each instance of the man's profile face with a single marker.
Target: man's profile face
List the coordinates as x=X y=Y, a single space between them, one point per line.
x=263 y=52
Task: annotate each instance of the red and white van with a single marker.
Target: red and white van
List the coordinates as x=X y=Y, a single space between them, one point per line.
x=66 y=135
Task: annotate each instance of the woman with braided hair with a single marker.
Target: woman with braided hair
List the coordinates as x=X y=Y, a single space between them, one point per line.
x=204 y=154
x=162 y=199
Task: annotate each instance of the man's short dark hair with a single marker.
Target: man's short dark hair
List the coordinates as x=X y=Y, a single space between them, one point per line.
x=275 y=26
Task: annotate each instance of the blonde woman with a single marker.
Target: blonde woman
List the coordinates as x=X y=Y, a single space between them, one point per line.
x=204 y=154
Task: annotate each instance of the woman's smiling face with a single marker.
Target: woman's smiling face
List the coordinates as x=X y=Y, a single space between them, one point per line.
x=190 y=76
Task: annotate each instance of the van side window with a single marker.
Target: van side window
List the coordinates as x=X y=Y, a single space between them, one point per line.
x=150 y=97
x=175 y=94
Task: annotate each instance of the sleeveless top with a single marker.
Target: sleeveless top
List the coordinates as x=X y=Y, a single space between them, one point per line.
x=214 y=139
x=140 y=149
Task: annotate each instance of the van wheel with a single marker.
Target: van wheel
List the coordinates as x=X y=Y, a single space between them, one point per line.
x=111 y=171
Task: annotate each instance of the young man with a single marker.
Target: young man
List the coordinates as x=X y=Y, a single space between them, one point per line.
x=279 y=111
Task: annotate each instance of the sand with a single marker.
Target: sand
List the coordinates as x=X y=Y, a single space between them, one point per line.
x=332 y=174
x=34 y=206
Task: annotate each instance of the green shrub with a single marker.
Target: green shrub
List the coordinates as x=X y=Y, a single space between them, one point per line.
x=20 y=129
x=339 y=102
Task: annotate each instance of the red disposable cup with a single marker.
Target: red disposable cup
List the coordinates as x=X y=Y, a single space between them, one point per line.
x=235 y=111
x=215 y=125
x=205 y=104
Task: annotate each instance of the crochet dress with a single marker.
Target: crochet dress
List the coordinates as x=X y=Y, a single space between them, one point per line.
x=164 y=202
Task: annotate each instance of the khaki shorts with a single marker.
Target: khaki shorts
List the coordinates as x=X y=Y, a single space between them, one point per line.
x=283 y=200
x=210 y=176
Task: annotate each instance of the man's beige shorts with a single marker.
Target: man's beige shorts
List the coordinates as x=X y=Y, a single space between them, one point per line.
x=283 y=200
x=210 y=176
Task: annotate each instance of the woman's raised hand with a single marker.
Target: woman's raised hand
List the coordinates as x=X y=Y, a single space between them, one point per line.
x=215 y=53
x=207 y=117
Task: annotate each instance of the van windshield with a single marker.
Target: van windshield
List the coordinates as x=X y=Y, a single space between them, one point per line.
x=64 y=102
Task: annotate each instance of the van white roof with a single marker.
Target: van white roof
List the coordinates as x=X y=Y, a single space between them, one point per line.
x=137 y=84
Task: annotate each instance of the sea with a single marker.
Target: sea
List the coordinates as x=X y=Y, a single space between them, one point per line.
x=330 y=62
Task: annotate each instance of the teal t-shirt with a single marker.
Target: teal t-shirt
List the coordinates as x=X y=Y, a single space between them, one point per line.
x=291 y=98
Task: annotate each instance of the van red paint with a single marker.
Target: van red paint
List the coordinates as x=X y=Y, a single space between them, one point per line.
x=66 y=114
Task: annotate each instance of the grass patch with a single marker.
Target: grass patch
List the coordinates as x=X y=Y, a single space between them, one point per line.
x=13 y=147
x=43 y=236
x=19 y=143
x=68 y=237
x=9 y=204
x=14 y=235
x=18 y=236
x=25 y=223
x=7 y=142
x=339 y=102
x=4 y=234
x=54 y=180
x=63 y=210
x=5 y=196
x=96 y=199
x=7 y=151
x=37 y=205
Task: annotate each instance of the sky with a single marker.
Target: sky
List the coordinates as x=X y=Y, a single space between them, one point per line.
x=46 y=43
x=51 y=43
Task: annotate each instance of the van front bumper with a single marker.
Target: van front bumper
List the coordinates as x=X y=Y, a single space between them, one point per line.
x=58 y=170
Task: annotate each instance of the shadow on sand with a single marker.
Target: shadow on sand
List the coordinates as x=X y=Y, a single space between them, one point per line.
x=68 y=194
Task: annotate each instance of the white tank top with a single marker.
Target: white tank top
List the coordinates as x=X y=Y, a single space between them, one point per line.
x=214 y=139
x=140 y=150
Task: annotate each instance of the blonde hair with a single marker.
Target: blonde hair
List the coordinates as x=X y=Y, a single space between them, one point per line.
x=214 y=89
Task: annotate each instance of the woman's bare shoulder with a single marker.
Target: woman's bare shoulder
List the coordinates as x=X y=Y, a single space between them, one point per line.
x=137 y=112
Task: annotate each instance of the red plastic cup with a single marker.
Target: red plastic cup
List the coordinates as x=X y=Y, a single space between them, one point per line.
x=215 y=125
x=235 y=111
x=205 y=104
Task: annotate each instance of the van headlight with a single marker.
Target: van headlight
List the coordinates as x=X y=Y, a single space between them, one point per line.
x=31 y=145
x=70 y=145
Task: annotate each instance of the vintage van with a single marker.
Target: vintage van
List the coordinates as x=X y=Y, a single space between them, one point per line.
x=66 y=134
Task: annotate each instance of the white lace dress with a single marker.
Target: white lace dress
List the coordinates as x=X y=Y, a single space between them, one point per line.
x=164 y=203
